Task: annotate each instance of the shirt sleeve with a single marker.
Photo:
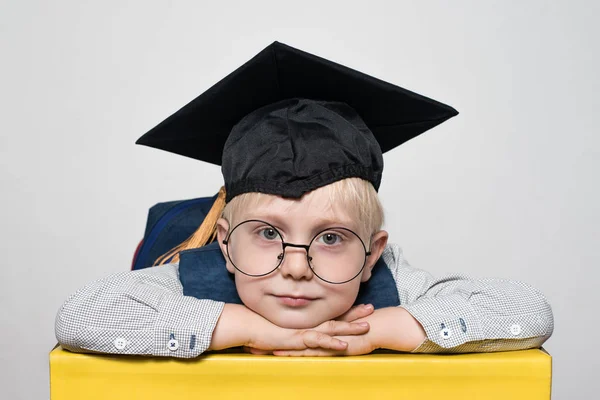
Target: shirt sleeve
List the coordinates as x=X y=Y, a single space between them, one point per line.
x=461 y=315
x=141 y=312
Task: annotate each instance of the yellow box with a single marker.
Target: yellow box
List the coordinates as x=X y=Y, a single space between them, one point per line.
x=508 y=375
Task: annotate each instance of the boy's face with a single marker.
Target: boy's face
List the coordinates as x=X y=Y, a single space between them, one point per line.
x=292 y=296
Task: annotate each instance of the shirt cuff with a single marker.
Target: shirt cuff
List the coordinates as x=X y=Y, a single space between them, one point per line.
x=449 y=321
x=185 y=326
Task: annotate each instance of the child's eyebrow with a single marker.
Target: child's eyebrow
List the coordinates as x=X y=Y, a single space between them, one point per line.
x=318 y=222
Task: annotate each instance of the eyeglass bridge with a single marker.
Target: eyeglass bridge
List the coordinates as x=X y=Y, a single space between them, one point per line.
x=302 y=246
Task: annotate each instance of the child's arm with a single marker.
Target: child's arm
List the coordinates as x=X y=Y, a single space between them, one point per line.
x=144 y=312
x=460 y=314
x=137 y=312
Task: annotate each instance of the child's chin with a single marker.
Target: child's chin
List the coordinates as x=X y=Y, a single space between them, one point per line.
x=296 y=321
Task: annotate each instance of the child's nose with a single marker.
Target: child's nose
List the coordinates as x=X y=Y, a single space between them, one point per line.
x=295 y=264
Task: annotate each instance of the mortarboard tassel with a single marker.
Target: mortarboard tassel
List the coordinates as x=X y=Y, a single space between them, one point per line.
x=206 y=232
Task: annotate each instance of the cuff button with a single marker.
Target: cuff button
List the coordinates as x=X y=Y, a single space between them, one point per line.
x=446 y=333
x=515 y=329
x=173 y=345
x=120 y=343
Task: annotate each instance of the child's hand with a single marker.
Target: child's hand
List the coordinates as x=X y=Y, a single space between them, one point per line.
x=356 y=345
x=325 y=331
x=320 y=337
x=357 y=312
x=240 y=326
x=390 y=328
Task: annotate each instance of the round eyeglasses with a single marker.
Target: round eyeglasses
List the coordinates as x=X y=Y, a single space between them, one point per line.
x=335 y=255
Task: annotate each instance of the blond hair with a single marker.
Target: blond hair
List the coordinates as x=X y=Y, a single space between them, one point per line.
x=356 y=196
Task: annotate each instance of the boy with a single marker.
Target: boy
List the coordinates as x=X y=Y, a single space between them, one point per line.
x=301 y=233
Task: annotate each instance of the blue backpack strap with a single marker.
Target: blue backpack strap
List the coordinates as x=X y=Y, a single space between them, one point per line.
x=168 y=225
x=203 y=275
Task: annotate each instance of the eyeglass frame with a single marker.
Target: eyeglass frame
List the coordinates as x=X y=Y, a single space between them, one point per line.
x=302 y=246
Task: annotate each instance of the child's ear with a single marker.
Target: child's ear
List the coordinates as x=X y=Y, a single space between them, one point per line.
x=222 y=229
x=378 y=243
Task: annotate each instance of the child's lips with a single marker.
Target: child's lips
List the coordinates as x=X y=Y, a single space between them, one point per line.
x=294 y=301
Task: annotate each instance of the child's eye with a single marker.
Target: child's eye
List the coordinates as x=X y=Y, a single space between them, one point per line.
x=330 y=238
x=269 y=233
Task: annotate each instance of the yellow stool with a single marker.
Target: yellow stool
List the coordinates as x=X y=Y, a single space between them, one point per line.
x=508 y=375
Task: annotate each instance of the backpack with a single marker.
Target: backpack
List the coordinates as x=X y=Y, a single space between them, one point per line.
x=168 y=225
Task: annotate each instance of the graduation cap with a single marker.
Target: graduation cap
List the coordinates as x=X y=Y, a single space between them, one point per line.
x=287 y=122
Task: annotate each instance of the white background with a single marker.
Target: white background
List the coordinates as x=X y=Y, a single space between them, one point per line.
x=508 y=188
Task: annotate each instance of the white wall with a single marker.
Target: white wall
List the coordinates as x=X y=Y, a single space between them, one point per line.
x=508 y=188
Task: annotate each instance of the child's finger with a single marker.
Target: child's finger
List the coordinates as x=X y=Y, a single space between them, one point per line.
x=314 y=339
x=259 y=352
x=356 y=312
x=307 y=353
x=342 y=328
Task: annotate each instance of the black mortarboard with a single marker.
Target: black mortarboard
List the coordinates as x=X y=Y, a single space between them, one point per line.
x=287 y=122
